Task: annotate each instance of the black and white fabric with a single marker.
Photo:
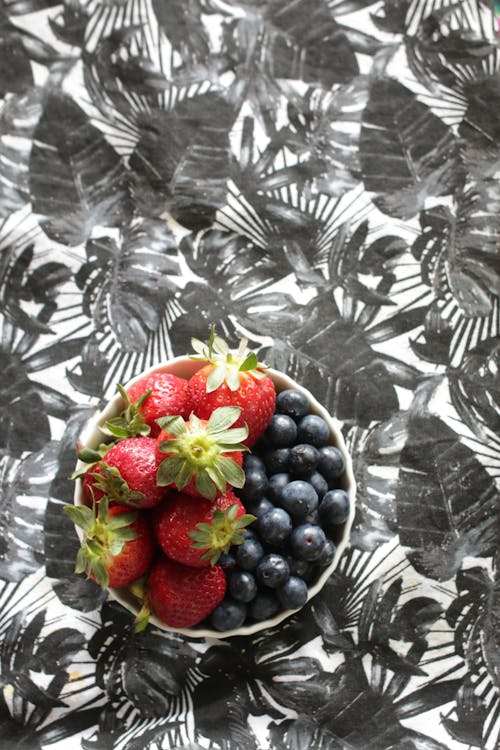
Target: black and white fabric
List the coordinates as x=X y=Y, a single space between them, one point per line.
x=321 y=176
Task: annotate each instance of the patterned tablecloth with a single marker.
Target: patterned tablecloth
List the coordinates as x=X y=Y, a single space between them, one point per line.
x=322 y=177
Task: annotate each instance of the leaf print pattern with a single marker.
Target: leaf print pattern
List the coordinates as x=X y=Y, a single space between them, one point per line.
x=320 y=176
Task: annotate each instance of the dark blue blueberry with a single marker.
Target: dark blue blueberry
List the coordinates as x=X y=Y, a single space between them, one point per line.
x=314 y=430
x=228 y=615
x=307 y=541
x=299 y=498
x=276 y=484
x=319 y=483
x=265 y=605
x=327 y=554
x=293 y=594
x=255 y=486
x=301 y=568
x=303 y=459
x=251 y=461
x=293 y=403
x=281 y=431
x=313 y=517
x=248 y=554
x=242 y=585
x=226 y=561
x=334 y=508
x=277 y=460
x=259 y=507
x=331 y=463
x=275 y=526
x=272 y=571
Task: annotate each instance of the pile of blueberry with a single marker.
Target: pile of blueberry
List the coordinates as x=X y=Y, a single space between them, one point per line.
x=293 y=487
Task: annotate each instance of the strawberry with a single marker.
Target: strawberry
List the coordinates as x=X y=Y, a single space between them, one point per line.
x=196 y=531
x=166 y=394
x=201 y=457
x=232 y=379
x=118 y=545
x=182 y=596
x=127 y=476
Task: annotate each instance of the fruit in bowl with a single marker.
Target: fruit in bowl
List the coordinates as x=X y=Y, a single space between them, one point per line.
x=214 y=496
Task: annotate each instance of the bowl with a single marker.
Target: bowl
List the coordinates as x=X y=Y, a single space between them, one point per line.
x=185 y=367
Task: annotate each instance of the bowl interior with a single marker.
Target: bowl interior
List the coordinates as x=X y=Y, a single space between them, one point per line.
x=185 y=367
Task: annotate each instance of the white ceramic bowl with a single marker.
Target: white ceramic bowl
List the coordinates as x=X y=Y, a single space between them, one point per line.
x=185 y=367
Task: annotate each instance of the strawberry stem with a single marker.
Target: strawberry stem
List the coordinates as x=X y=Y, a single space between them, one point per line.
x=130 y=422
x=224 y=531
x=196 y=451
x=105 y=537
x=227 y=364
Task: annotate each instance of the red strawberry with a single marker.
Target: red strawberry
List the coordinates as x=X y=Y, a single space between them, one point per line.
x=232 y=379
x=201 y=457
x=128 y=475
x=196 y=531
x=118 y=546
x=167 y=395
x=182 y=596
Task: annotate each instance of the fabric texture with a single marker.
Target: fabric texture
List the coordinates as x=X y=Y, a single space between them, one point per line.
x=321 y=176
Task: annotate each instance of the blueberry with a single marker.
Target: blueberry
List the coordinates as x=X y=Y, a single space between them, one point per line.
x=314 y=430
x=272 y=571
x=275 y=526
x=299 y=498
x=265 y=605
x=276 y=460
x=251 y=461
x=331 y=462
x=259 y=507
x=226 y=561
x=255 y=486
x=293 y=594
x=301 y=568
x=319 y=483
x=327 y=554
x=241 y=585
x=276 y=484
x=307 y=542
x=281 y=431
x=228 y=615
x=248 y=554
x=334 y=508
x=293 y=403
x=303 y=459
x=313 y=517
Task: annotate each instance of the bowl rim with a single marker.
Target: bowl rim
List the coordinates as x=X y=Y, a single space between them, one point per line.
x=91 y=436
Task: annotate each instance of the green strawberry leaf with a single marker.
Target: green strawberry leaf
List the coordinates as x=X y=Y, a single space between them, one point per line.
x=119 y=522
x=174 y=425
x=221 y=533
x=81 y=561
x=232 y=473
x=184 y=475
x=250 y=363
x=195 y=423
x=81 y=516
x=98 y=569
x=215 y=379
x=205 y=486
x=222 y=418
x=89 y=456
x=217 y=477
x=142 y=618
x=219 y=345
x=234 y=436
x=233 y=379
x=112 y=484
x=168 y=470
